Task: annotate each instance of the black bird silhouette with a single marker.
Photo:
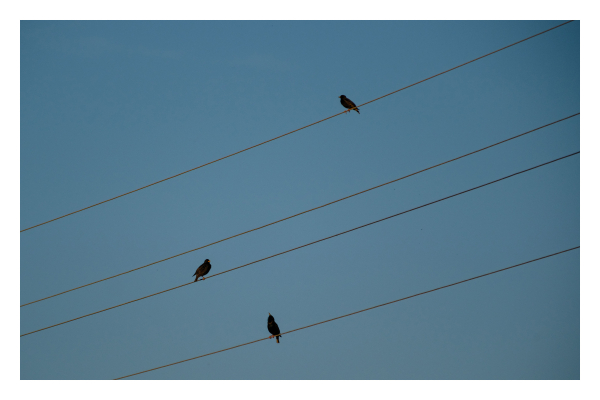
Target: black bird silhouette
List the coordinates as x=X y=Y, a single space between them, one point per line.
x=346 y=102
x=202 y=270
x=273 y=328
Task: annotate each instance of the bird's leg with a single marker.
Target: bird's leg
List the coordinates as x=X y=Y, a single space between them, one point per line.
x=202 y=278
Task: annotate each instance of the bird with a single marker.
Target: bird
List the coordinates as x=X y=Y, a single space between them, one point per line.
x=273 y=328
x=202 y=270
x=346 y=102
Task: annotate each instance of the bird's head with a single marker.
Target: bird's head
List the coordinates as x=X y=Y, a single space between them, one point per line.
x=207 y=260
x=342 y=96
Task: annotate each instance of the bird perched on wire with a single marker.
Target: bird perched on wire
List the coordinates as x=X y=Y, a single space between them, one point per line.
x=202 y=270
x=346 y=102
x=273 y=328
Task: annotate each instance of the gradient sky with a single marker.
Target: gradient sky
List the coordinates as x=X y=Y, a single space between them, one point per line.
x=107 y=107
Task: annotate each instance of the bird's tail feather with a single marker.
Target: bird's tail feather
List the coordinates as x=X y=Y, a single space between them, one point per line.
x=357 y=110
x=277 y=337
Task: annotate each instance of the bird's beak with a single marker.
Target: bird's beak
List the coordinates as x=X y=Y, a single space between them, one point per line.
x=269 y=313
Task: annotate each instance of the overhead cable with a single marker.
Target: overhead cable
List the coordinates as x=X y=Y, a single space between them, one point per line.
x=353 y=313
x=308 y=244
x=300 y=213
x=296 y=130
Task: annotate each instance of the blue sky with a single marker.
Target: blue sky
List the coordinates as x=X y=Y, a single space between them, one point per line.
x=107 y=107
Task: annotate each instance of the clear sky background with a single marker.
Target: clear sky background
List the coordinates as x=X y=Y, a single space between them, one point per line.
x=107 y=107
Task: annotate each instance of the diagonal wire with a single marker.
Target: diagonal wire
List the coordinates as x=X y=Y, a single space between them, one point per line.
x=308 y=244
x=356 y=312
x=296 y=130
x=304 y=212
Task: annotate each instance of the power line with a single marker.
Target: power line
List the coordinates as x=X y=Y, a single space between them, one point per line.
x=353 y=313
x=296 y=130
x=303 y=212
x=308 y=244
